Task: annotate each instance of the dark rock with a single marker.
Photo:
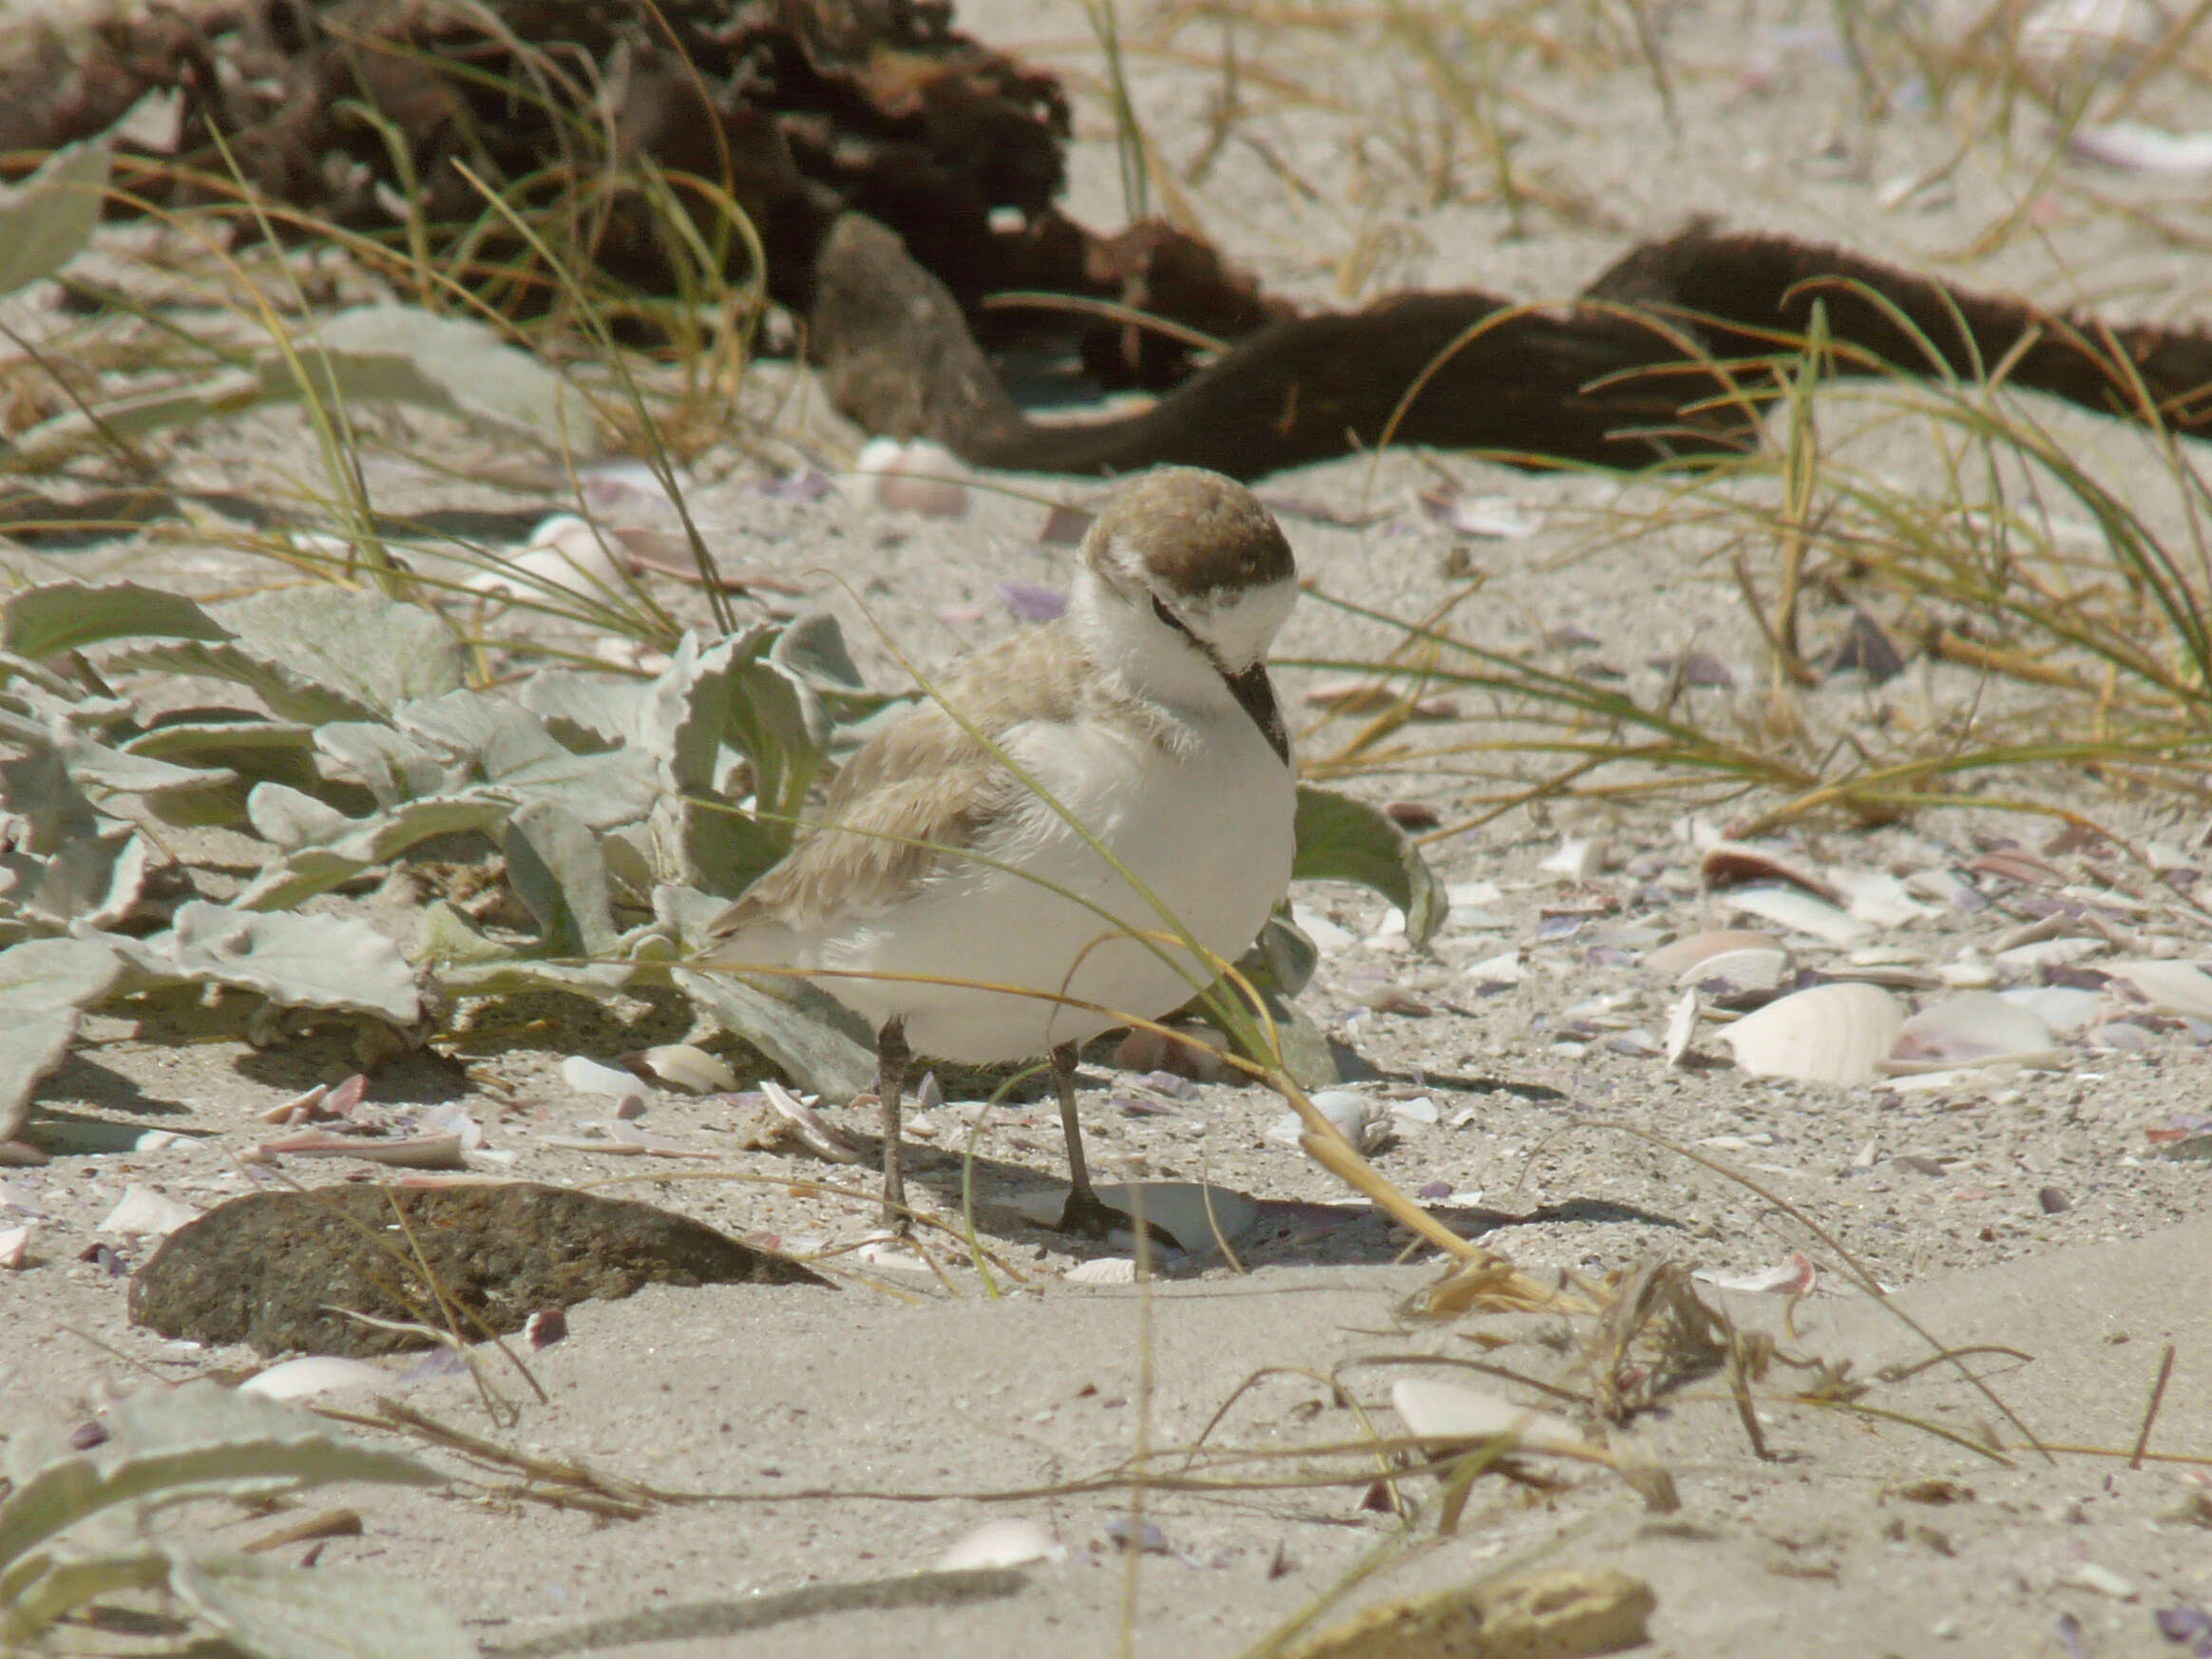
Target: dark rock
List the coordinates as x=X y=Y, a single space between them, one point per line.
x=281 y=1271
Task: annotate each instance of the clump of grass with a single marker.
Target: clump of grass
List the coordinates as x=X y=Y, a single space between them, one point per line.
x=2060 y=619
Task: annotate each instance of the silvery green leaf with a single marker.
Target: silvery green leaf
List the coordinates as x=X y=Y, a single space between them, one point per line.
x=68 y=616
x=1344 y=840
x=1307 y=1054
x=197 y=1438
x=470 y=965
x=375 y=651
x=703 y=844
x=359 y=845
x=491 y=737
x=554 y=868
x=396 y=354
x=45 y=220
x=812 y=649
x=79 y=431
x=295 y=961
x=292 y=818
x=605 y=790
x=289 y=695
x=684 y=713
x=235 y=741
x=273 y=1610
x=1282 y=955
x=817 y=1042
x=391 y=767
x=685 y=914
x=45 y=984
x=63 y=860
x=587 y=711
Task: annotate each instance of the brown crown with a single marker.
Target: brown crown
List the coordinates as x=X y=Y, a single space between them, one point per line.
x=1195 y=531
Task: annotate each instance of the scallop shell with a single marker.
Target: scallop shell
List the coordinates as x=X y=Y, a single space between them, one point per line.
x=1831 y=1034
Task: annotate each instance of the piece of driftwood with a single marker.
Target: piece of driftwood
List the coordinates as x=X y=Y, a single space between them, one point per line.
x=899 y=175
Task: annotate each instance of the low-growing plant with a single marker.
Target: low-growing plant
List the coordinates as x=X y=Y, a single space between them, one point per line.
x=80 y=1523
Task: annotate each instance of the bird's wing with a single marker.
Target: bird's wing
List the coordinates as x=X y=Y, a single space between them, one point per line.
x=919 y=792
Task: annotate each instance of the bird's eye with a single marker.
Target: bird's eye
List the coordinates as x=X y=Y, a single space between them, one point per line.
x=1171 y=619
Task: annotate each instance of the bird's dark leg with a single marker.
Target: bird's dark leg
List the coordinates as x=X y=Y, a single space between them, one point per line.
x=1084 y=1211
x=893 y=1056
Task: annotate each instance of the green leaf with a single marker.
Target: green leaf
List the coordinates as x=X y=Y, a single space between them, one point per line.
x=1344 y=840
x=357 y=845
x=276 y=1611
x=375 y=651
x=554 y=868
x=295 y=961
x=45 y=220
x=395 y=353
x=68 y=615
x=197 y=1440
x=45 y=985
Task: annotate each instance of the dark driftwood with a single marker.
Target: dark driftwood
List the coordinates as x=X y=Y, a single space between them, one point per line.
x=900 y=174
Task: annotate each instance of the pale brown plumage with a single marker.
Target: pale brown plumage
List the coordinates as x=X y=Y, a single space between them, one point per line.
x=926 y=789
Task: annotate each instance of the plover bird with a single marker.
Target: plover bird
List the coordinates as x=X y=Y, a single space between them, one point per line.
x=1145 y=715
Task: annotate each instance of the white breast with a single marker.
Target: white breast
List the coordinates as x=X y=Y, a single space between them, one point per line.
x=1209 y=832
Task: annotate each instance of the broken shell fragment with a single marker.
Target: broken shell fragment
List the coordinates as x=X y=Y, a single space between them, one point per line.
x=2170 y=987
x=1735 y=864
x=145 y=1214
x=1831 y=1034
x=313 y=1374
x=686 y=1066
x=1971 y=1029
x=1742 y=970
x=1800 y=912
x=1452 y=1413
x=1675 y=960
x=1009 y=1542
x=1682 y=1028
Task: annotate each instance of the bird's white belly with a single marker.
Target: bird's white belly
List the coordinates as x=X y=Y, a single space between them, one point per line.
x=1210 y=834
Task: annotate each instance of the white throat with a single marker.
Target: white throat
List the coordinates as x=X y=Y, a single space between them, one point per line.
x=1161 y=664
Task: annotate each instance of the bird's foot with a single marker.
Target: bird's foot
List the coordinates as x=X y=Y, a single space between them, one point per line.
x=1084 y=1212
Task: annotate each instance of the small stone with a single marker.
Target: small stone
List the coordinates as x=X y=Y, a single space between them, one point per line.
x=273 y=1269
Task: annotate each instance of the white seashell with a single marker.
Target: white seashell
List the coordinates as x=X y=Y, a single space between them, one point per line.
x=1734 y=862
x=2171 y=987
x=1360 y=1121
x=1104 y=1271
x=1746 y=970
x=1971 y=1029
x=1578 y=858
x=1682 y=1027
x=1433 y=1410
x=1328 y=937
x=587 y=1076
x=1831 y=1034
x=686 y=1066
x=1418 y=1110
x=1011 y=1541
x=1800 y=911
x=1877 y=897
x=145 y=1214
x=1473 y=896
x=1178 y=1209
x=1502 y=969
x=2065 y=1009
x=1969 y=973
x=563 y=554
x=899 y=1255
x=14 y=1246
x=1674 y=959
x=303 y=1379
x=1794 y=1277
x=920 y=477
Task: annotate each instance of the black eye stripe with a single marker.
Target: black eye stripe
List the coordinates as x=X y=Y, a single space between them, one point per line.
x=1251 y=688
